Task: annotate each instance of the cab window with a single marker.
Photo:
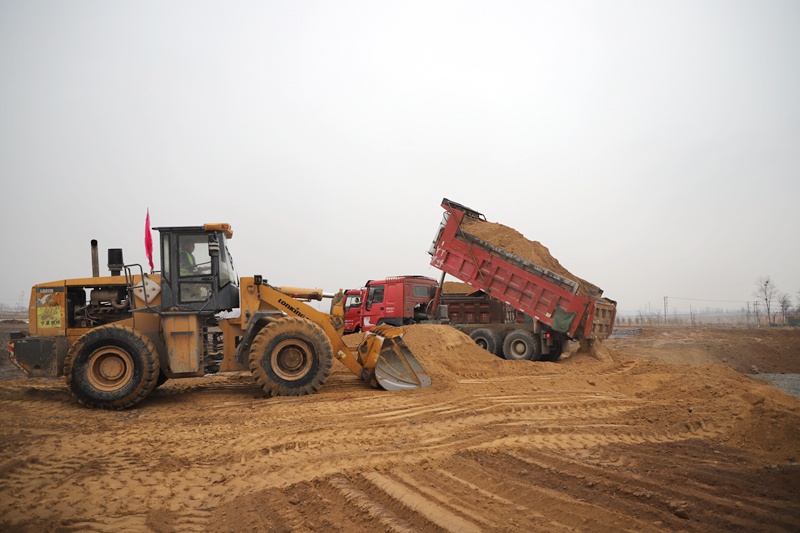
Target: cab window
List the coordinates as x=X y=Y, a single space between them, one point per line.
x=354 y=300
x=375 y=295
x=193 y=256
x=422 y=291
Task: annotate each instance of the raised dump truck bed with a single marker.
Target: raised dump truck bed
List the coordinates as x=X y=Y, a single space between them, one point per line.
x=576 y=310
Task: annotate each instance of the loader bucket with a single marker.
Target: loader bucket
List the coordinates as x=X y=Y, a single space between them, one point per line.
x=396 y=367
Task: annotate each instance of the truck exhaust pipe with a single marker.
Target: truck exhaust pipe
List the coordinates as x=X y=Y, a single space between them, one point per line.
x=95 y=260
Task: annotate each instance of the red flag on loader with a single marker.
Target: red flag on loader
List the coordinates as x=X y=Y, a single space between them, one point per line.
x=148 y=240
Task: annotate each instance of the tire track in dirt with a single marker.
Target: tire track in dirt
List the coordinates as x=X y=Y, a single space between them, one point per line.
x=649 y=492
x=391 y=433
x=366 y=504
x=428 y=503
x=701 y=466
x=106 y=524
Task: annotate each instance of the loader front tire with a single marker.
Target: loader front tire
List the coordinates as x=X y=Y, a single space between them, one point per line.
x=291 y=357
x=111 y=367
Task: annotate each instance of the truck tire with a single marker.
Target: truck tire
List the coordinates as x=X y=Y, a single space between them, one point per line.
x=520 y=345
x=291 y=356
x=487 y=339
x=111 y=367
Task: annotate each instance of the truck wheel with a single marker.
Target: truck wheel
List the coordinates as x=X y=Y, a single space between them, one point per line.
x=111 y=367
x=291 y=357
x=487 y=339
x=520 y=345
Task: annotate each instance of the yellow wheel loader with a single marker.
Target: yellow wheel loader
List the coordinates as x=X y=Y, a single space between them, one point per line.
x=116 y=338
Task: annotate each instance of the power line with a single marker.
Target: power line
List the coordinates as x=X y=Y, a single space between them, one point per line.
x=706 y=300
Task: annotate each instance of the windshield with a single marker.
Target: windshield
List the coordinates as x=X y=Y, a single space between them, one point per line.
x=353 y=300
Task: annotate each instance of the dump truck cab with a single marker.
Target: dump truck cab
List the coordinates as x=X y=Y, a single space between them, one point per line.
x=198 y=274
x=396 y=300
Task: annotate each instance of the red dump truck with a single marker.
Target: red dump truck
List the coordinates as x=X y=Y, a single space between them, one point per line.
x=401 y=300
x=558 y=308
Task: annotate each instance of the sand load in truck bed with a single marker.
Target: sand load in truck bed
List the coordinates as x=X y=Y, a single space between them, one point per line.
x=457 y=287
x=510 y=268
x=513 y=242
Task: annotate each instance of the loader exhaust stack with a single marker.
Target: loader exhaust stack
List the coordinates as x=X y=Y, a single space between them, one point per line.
x=95 y=260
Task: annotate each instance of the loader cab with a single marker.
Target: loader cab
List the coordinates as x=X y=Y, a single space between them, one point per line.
x=197 y=269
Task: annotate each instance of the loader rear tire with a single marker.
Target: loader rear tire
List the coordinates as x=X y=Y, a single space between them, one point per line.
x=487 y=339
x=111 y=367
x=291 y=357
x=520 y=345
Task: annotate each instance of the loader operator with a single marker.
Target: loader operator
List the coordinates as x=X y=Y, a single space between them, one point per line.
x=186 y=258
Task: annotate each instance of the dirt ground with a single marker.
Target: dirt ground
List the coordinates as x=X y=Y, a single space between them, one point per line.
x=669 y=435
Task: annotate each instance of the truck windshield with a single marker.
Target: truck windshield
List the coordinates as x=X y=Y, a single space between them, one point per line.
x=353 y=300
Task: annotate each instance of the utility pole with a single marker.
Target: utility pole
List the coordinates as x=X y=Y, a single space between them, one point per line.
x=665 y=309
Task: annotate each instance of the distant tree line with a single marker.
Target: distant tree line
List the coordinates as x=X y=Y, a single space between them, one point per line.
x=777 y=305
x=771 y=307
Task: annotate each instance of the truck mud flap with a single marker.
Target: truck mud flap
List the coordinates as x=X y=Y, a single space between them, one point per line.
x=562 y=320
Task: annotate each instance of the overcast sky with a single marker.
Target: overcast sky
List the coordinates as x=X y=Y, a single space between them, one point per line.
x=653 y=147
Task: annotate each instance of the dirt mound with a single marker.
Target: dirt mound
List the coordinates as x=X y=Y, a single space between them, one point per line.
x=515 y=243
x=594 y=348
x=448 y=354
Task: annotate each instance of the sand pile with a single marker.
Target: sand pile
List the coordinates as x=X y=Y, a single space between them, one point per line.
x=595 y=349
x=445 y=353
x=449 y=355
x=515 y=243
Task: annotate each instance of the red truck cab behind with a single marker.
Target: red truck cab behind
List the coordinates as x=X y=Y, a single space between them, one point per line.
x=396 y=301
x=353 y=304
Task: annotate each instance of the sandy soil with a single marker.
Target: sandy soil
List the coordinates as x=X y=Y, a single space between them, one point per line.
x=516 y=243
x=668 y=435
x=457 y=287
